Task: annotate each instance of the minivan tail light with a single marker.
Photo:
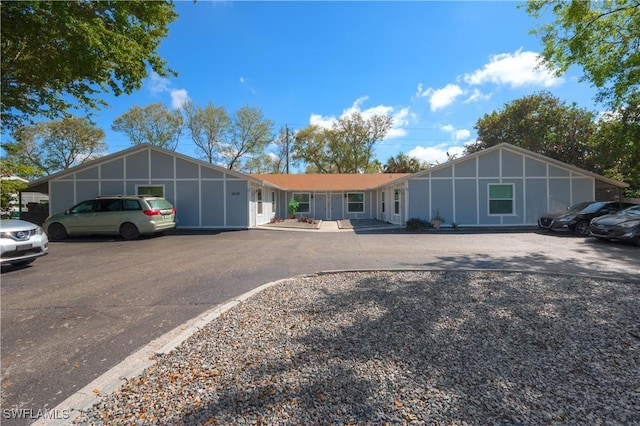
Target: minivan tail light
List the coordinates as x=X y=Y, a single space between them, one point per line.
x=152 y=212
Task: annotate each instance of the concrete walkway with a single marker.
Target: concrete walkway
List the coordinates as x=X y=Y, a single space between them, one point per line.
x=329 y=226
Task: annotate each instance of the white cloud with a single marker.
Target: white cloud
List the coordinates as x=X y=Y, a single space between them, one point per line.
x=477 y=95
x=160 y=85
x=456 y=134
x=321 y=121
x=440 y=98
x=516 y=69
x=400 y=117
x=242 y=79
x=178 y=98
x=462 y=134
x=435 y=154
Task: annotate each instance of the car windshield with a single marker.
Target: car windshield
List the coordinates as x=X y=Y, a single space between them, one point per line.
x=593 y=207
x=635 y=210
x=579 y=206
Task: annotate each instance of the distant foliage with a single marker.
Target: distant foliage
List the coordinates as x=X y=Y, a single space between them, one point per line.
x=154 y=124
x=348 y=147
x=402 y=163
x=601 y=37
x=540 y=123
x=48 y=147
x=59 y=55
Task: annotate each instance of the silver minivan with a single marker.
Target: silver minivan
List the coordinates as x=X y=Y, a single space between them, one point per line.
x=126 y=215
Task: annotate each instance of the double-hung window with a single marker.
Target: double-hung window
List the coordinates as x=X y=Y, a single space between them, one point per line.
x=355 y=202
x=501 y=200
x=304 y=206
x=383 y=202
x=152 y=190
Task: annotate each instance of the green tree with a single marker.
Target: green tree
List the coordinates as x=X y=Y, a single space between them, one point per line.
x=616 y=143
x=209 y=128
x=543 y=124
x=250 y=134
x=8 y=187
x=57 y=54
x=263 y=163
x=312 y=146
x=402 y=163
x=600 y=36
x=154 y=124
x=48 y=147
x=347 y=147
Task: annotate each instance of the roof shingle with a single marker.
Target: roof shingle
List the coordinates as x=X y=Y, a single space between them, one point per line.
x=329 y=182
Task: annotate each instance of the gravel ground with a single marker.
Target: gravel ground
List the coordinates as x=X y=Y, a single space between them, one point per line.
x=402 y=348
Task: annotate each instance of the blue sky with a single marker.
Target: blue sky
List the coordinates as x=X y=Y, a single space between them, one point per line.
x=435 y=67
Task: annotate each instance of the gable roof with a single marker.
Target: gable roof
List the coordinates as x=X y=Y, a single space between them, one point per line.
x=41 y=185
x=329 y=182
x=526 y=153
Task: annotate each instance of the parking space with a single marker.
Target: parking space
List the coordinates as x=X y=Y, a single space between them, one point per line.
x=77 y=312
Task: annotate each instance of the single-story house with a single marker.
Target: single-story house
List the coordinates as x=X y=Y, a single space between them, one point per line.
x=330 y=196
x=501 y=186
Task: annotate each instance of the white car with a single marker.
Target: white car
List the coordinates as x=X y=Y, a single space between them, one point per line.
x=21 y=242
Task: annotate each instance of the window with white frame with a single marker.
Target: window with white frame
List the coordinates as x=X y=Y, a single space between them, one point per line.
x=259 y=200
x=151 y=190
x=396 y=202
x=501 y=201
x=383 y=201
x=304 y=206
x=355 y=202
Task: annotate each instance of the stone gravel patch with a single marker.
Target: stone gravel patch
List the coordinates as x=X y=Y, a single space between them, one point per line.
x=422 y=347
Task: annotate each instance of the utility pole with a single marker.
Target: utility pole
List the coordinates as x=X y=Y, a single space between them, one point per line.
x=286 y=130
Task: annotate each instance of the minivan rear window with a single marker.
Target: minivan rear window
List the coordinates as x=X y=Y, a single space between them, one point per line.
x=160 y=204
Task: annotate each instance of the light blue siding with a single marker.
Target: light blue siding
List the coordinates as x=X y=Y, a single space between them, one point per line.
x=538 y=186
x=466 y=202
x=137 y=165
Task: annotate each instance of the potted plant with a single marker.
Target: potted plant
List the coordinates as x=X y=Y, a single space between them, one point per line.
x=293 y=208
x=436 y=219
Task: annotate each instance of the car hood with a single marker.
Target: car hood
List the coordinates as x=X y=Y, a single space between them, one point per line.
x=554 y=215
x=11 y=225
x=616 y=219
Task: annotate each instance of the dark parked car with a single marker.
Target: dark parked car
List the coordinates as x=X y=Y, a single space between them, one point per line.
x=577 y=217
x=625 y=225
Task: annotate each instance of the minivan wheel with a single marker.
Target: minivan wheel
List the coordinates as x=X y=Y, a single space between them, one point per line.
x=57 y=231
x=582 y=228
x=129 y=231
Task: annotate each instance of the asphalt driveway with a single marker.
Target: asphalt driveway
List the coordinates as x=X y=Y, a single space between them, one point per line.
x=74 y=314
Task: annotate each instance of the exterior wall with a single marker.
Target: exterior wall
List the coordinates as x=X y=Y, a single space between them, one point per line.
x=331 y=205
x=204 y=197
x=460 y=192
